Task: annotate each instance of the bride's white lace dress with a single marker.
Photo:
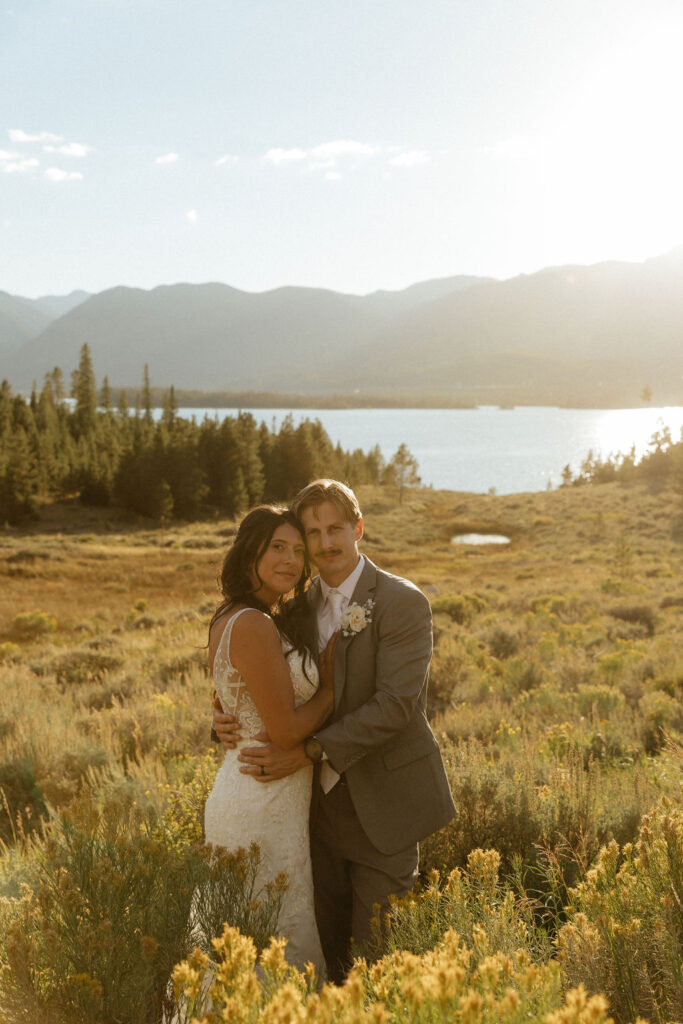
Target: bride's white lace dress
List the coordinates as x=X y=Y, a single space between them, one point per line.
x=240 y=810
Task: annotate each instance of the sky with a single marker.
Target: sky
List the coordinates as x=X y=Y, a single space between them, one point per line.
x=343 y=144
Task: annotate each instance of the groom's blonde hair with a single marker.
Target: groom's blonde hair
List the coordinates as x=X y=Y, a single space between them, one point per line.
x=328 y=490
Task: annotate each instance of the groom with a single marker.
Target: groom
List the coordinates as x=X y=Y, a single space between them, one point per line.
x=381 y=785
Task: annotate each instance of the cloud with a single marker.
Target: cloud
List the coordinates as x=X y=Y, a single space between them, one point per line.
x=70 y=149
x=57 y=174
x=191 y=216
x=17 y=135
x=329 y=157
x=21 y=166
x=325 y=155
x=227 y=159
x=167 y=158
x=410 y=158
x=284 y=156
x=6 y=155
x=343 y=147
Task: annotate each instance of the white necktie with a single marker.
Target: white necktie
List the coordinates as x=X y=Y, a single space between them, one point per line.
x=333 y=610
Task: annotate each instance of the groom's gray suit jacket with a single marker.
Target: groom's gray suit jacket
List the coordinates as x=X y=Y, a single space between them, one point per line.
x=379 y=736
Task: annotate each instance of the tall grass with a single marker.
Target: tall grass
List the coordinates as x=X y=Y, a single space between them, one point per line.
x=556 y=696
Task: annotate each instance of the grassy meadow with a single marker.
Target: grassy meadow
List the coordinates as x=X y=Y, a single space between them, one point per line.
x=557 y=697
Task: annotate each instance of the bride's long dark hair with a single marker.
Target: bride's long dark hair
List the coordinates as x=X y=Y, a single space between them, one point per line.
x=293 y=619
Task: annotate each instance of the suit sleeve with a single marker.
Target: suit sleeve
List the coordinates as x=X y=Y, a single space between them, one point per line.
x=404 y=649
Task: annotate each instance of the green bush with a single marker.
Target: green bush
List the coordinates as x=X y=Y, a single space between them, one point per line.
x=624 y=936
x=640 y=614
x=9 y=652
x=79 y=666
x=31 y=625
x=22 y=803
x=114 y=902
x=461 y=608
x=471 y=902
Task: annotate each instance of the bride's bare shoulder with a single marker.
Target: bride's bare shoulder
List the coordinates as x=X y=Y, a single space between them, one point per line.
x=253 y=622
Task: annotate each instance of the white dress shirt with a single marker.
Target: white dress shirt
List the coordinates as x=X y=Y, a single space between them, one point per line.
x=329 y=621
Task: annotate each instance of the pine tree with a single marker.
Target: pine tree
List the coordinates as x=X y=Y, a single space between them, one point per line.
x=147 y=396
x=402 y=471
x=58 y=384
x=19 y=481
x=85 y=392
x=170 y=407
x=105 y=395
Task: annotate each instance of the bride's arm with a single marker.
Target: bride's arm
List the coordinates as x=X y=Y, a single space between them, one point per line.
x=256 y=653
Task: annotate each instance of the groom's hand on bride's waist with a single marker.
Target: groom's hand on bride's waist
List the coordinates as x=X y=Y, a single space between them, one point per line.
x=268 y=762
x=227 y=729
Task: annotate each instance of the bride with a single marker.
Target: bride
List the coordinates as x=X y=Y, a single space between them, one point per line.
x=259 y=654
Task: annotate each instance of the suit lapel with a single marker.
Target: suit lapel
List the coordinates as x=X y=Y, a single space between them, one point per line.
x=364 y=589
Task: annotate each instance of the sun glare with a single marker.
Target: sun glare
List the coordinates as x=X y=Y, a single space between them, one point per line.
x=615 y=154
x=618 y=429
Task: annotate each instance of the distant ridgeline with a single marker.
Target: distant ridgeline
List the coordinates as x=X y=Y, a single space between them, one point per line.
x=168 y=467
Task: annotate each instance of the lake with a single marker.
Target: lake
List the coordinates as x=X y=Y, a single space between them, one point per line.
x=511 y=450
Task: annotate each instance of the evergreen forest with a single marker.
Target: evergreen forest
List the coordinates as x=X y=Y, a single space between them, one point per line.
x=51 y=449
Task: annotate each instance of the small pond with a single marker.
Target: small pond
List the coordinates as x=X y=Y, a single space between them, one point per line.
x=479 y=538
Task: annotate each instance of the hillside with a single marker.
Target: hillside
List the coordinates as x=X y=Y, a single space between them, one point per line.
x=600 y=327
x=20 y=320
x=212 y=335
x=584 y=335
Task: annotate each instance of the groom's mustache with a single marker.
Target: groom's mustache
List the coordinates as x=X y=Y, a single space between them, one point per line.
x=331 y=551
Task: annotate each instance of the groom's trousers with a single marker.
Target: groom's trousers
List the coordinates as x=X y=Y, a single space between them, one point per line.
x=350 y=877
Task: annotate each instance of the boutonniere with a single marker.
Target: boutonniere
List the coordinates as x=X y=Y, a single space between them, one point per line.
x=356 y=617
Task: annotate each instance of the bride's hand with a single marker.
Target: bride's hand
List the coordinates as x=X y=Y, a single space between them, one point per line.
x=326 y=663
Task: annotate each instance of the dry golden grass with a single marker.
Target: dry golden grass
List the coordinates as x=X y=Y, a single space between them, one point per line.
x=557 y=678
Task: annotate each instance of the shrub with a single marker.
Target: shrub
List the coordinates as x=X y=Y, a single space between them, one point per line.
x=461 y=608
x=106 y=695
x=624 y=935
x=448 y=983
x=79 y=666
x=9 y=652
x=181 y=666
x=641 y=614
x=21 y=800
x=661 y=713
x=472 y=903
x=502 y=643
x=30 y=625
x=523 y=674
x=107 y=914
x=527 y=807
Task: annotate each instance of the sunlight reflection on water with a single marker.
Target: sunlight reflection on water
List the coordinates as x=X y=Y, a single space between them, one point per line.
x=509 y=450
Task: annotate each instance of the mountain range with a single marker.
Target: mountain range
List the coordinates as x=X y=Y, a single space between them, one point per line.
x=584 y=335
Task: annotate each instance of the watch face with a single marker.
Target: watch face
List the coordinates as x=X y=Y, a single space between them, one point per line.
x=313 y=749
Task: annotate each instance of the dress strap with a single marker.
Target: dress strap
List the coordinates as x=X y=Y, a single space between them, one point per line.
x=224 y=642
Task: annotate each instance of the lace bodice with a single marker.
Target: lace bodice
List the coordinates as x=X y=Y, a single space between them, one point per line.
x=232 y=690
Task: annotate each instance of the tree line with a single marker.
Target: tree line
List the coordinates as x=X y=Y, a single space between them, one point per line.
x=166 y=466
x=660 y=466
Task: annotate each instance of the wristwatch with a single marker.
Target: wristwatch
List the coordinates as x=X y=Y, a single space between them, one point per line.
x=313 y=749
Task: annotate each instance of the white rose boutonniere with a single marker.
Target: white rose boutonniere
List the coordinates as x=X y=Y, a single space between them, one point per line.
x=356 y=617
